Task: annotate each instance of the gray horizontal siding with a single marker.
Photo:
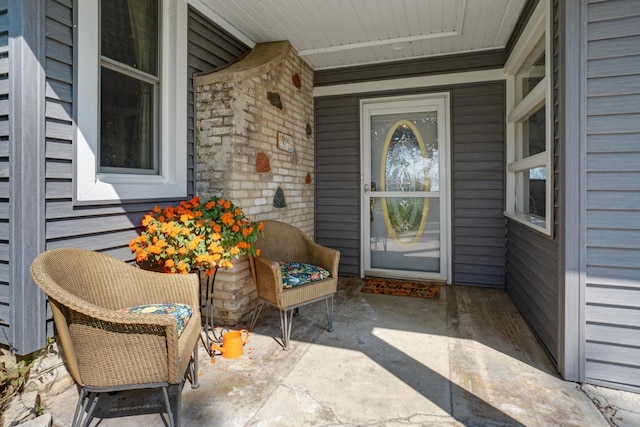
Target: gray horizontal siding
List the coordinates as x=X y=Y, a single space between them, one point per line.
x=531 y=278
x=612 y=312
x=478 y=144
x=4 y=171
x=208 y=49
x=478 y=179
x=473 y=61
x=337 y=173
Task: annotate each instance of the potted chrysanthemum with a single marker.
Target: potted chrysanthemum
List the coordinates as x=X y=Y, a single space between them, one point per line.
x=195 y=236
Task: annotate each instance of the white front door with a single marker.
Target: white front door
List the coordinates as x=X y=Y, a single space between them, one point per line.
x=405 y=196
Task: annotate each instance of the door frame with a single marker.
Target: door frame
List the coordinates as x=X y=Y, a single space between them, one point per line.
x=400 y=103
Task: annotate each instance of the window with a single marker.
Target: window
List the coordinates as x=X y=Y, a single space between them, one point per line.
x=129 y=86
x=529 y=187
x=131 y=96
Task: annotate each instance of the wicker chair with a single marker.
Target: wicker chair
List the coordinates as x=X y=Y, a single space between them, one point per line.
x=107 y=350
x=285 y=243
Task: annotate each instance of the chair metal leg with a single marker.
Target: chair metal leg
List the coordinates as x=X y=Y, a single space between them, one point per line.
x=80 y=408
x=93 y=398
x=177 y=413
x=193 y=369
x=167 y=404
x=286 y=320
x=329 y=301
x=256 y=314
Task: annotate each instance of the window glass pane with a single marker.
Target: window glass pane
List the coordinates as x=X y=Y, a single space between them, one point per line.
x=405 y=233
x=534 y=134
x=533 y=184
x=126 y=122
x=532 y=72
x=405 y=152
x=129 y=33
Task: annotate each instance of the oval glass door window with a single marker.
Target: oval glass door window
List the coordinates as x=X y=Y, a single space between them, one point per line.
x=405 y=170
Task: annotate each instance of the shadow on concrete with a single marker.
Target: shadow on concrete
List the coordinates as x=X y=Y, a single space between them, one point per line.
x=412 y=372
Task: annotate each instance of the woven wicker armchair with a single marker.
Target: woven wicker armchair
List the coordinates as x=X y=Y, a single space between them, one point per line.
x=107 y=350
x=285 y=243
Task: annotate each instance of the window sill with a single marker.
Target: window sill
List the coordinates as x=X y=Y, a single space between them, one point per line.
x=531 y=221
x=115 y=189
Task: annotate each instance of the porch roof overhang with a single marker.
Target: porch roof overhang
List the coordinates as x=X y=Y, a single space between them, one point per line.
x=337 y=33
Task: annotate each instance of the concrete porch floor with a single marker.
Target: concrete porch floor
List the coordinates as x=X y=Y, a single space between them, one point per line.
x=465 y=359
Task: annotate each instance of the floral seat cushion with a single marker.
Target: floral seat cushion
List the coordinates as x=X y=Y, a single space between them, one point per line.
x=299 y=273
x=181 y=312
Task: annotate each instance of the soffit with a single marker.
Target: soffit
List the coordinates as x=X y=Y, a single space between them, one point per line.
x=337 y=33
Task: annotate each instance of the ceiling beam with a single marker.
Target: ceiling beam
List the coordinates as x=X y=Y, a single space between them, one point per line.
x=349 y=46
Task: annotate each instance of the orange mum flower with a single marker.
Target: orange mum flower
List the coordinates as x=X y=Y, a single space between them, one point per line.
x=227 y=219
x=146 y=220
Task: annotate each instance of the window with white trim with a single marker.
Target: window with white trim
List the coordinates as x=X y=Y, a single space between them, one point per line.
x=132 y=100
x=529 y=198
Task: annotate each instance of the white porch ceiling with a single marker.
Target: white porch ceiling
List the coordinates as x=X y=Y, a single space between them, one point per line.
x=337 y=33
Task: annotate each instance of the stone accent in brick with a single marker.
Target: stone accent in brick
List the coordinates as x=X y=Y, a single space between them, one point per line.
x=262 y=163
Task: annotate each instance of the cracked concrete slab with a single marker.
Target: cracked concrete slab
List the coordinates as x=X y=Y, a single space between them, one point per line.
x=621 y=408
x=467 y=359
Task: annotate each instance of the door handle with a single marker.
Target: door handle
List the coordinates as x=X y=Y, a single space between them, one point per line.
x=366 y=188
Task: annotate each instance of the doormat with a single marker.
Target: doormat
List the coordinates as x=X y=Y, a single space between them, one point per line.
x=376 y=285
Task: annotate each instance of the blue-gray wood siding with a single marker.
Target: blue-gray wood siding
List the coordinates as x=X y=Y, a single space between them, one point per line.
x=106 y=228
x=531 y=280
x=612 y=232
x=4 y=170
x=455 y=63
x=478 y=152
x=209 y=48
x=532 y=260
x=477 y=173
x=337 y=173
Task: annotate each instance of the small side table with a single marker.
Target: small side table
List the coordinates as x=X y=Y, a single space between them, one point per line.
x=208 y=335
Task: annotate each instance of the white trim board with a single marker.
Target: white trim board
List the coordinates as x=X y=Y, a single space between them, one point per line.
x=411 y=82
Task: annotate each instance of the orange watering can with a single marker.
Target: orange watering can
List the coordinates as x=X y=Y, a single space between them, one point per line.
x=232 y=343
